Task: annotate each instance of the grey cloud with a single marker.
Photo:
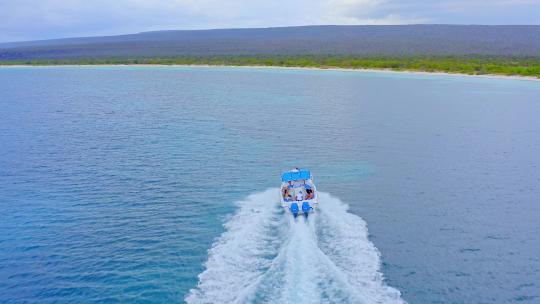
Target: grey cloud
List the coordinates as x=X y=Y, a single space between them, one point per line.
x=34 y=19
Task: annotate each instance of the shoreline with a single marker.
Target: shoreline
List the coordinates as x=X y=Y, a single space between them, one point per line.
x=417 y=72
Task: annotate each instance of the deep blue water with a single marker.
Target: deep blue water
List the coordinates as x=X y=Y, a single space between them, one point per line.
x=116 y=181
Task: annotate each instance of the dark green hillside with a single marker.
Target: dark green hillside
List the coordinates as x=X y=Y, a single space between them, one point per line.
x=470 y=49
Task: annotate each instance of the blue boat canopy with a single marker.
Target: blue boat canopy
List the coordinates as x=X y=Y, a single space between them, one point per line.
x=292 y=176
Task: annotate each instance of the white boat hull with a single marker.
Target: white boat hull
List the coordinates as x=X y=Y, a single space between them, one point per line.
x=294 y=196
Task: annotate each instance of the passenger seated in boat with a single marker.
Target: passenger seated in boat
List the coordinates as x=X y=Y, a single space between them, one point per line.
x=288 y=198
x=309 y=194
x=285 y=192
x=300 y=196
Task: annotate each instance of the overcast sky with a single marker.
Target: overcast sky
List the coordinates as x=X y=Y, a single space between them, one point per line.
x=44 y=19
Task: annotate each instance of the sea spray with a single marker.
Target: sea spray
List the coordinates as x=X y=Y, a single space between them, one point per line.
x=343 y=237
x=243 y=252
x=266 y=256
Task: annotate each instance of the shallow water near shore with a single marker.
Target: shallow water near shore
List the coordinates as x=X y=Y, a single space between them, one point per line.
x=156 y=184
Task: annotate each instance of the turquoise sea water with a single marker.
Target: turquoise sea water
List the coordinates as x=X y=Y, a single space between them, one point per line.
x=158 y=184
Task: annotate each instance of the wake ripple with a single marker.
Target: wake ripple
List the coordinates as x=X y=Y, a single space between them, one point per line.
x=265 y=256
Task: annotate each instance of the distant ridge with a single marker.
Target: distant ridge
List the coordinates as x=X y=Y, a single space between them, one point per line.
x=360 y=40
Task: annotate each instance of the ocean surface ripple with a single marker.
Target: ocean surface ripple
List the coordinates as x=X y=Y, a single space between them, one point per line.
x=118 y=185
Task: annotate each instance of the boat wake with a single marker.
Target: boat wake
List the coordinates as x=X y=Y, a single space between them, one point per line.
x=265 y=256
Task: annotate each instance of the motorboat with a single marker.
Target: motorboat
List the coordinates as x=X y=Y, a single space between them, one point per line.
x=298 y=193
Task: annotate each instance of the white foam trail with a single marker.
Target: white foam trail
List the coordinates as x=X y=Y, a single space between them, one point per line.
x=265 y=256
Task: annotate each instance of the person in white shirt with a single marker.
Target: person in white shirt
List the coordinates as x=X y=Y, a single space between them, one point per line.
x=299 y=196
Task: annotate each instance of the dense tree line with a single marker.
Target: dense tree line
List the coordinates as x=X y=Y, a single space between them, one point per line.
x=466 y=65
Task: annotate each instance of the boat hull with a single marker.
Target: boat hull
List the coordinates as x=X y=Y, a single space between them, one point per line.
x=298 y=194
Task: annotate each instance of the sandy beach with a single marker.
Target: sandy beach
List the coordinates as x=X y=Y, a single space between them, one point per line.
x=494 y=76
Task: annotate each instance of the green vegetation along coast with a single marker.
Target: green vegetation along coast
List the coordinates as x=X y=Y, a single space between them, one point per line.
x=526 y=67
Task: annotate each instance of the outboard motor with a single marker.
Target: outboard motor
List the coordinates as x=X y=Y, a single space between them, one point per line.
x=306 y=208
x=294 y=209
